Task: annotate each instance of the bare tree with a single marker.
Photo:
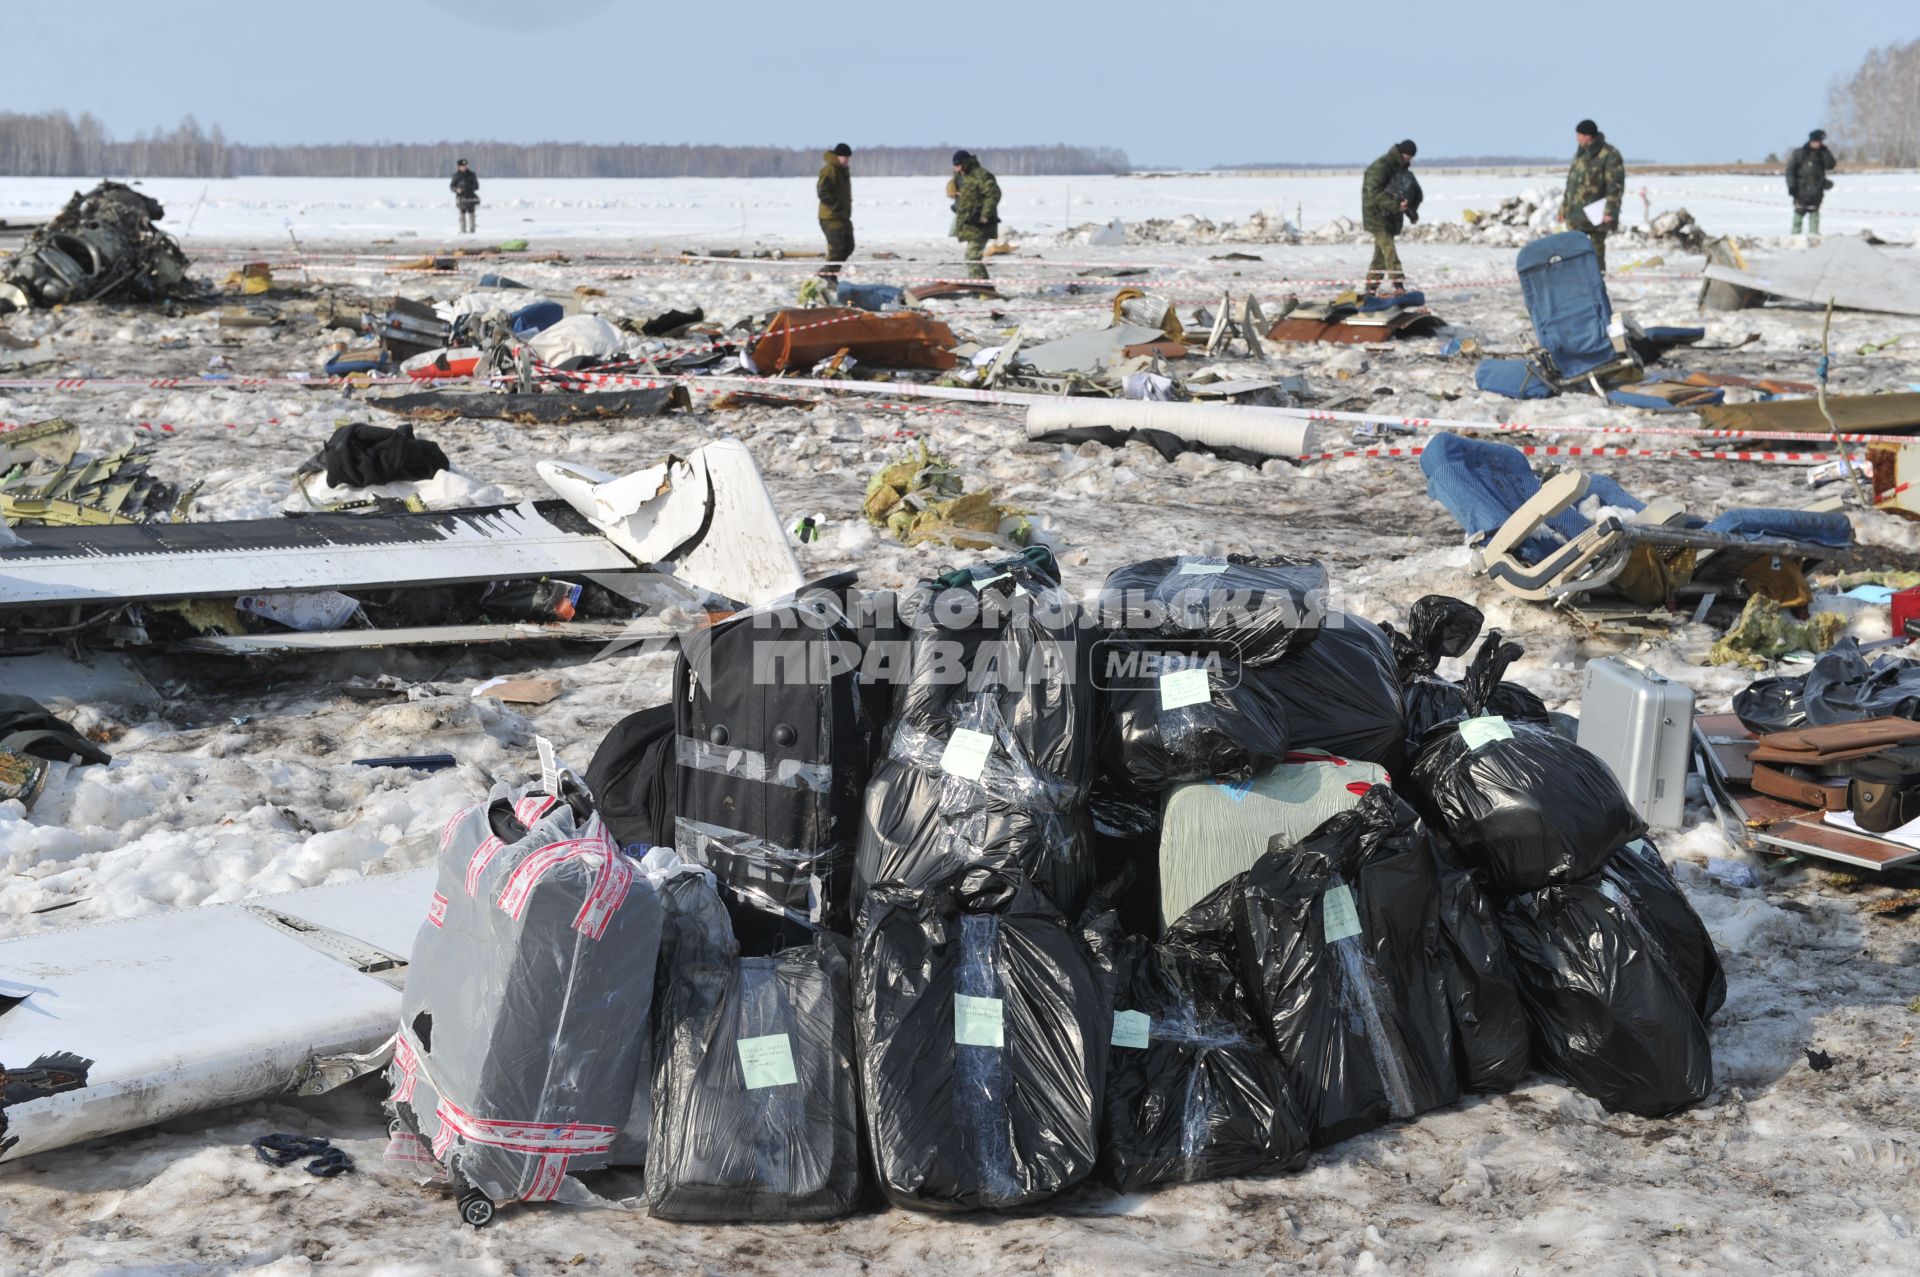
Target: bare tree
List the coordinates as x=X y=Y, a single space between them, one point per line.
x=1875 y=112
x=52 y=144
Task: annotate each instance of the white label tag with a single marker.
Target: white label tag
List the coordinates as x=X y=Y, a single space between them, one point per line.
x=1483 y=731
x=1180 y=688
x=1132 y=1029
x=767 y=1061
x=976 y=1021
x=966 y=753
x=1202 y=569
x=549 y=767
x=1342 y=918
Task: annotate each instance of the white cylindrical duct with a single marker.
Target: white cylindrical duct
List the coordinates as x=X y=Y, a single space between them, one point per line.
x=1271 y=432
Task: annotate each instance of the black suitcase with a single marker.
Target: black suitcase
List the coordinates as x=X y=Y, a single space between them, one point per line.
x=774 y=748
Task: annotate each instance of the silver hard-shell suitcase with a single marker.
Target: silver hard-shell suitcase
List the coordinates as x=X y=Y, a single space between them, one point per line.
x=1641 y=725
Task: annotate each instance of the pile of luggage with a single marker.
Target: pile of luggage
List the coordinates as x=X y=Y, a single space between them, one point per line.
x=988 y=890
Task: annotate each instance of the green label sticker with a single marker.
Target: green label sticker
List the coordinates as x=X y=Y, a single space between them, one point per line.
x=966 y=753
x=767 y=1061
x=1132 y=1029
x=1180 y=688
x=1481 y=731
x=1342 y=918
x=1201 y=569
x=976 y=1021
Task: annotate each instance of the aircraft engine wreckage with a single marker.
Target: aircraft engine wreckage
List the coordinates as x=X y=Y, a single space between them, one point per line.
x=103 y=246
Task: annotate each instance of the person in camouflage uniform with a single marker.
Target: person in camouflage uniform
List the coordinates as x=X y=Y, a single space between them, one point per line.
x=834 y=186
x=976 y=208
x=1384 y=211
x=1597 y=173
x=1807 y=181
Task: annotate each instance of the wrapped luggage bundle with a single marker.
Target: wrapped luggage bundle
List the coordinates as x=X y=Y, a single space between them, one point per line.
x=774 y=748
x=1337 y=942
x=1172 y=717
x=1639 y=871
x=755 y=1115
x=1340 y=692
x=1255 y=609
x=1193 y=1091
x=1439 y=627
x=983 y=1030
x=1491 y=1046
x=1610 y=1005
x=496 y=1076
x=988 y=756
x=1211 y=831
x=1524 y=806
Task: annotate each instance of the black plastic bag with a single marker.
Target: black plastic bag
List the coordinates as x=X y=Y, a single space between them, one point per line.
x=1639 y=870
x=1842 y=687
x=1438 y=627
x=359 y=455
x=1176 y=721
x=1258 y=609
x=990 y=750
x=1491 y=1044
x=635 y=775
x=755 y=1111
x=983 y=1038
x=1193 y=1090
x=1125 y=841
x=1340 y=694
x=1608 y=1013
x=1337 y=941
x=1524 y=806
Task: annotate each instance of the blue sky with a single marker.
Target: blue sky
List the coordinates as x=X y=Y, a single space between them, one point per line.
x=1171 y=83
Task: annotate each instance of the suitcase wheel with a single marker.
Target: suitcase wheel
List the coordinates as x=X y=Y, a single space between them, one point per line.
x=476 y=1208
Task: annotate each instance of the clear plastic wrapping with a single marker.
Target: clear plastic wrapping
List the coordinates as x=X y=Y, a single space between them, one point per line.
x=1337 y=942
x=1258 y=609
x=755 y=1115
x=523 y=1051
x=1189 y=722
x=1193 y=1090
x=983 y=1031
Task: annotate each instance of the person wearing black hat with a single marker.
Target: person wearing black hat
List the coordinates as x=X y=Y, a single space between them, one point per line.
x=466 y=193
x=1597 y=173
x=835 y=189
x=976 y=208
x=1389 y=199
x=1807 y=180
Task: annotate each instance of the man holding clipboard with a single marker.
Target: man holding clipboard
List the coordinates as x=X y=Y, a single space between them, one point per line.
x=1596 y=182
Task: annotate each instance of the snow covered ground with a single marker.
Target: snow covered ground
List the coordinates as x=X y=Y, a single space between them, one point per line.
x=781 y=210
x=230 y=780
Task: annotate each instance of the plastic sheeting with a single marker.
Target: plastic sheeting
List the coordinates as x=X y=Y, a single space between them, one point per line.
x=1490 y=1039
x=1212 y=831
x=1609 y=1013
x=1439 y=627
x=536 y=913
x=984 y=1030
x=1187 y=722
x=1337 y=943
x=1842 y=687
x=1521 y=804
x=755 y=1113
x=1193 y=1092
x=1258 y=609
x=1340 y=693
x=989 y=755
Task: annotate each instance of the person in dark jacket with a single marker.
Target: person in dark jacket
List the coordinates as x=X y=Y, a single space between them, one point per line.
x=976 y=209
x=1807 y=179
x=466 y=193
x=1388 y=199
x=835 y=190
x=1597 y=173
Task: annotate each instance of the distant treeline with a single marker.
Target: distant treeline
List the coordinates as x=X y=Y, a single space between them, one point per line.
x=1875 y=112
x=54 y=144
